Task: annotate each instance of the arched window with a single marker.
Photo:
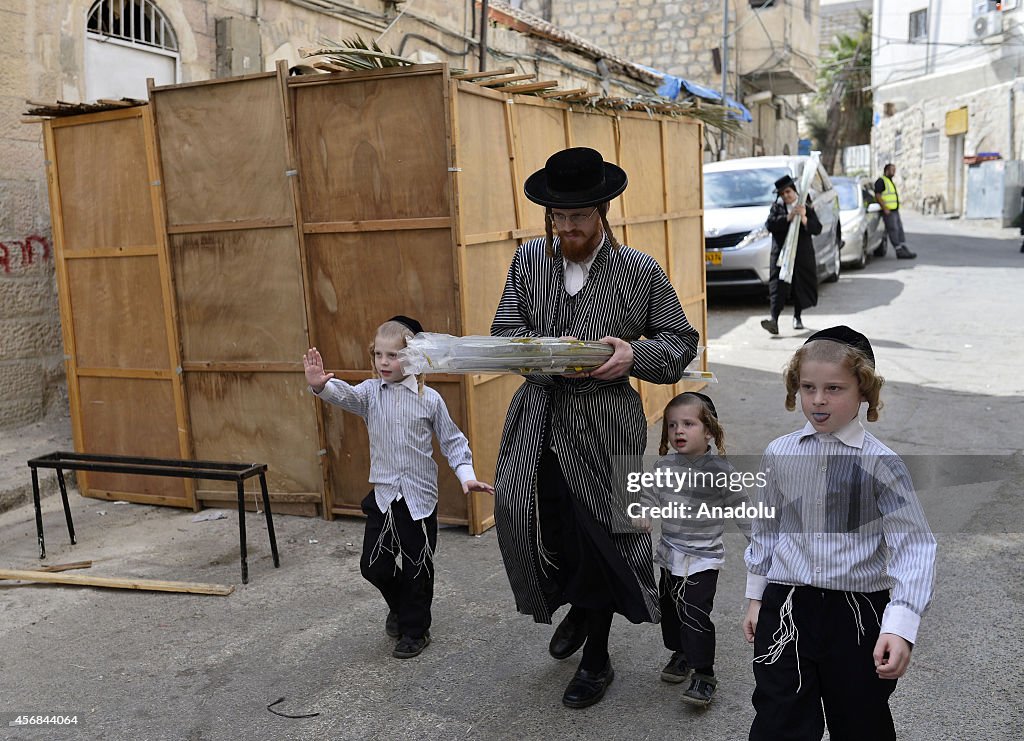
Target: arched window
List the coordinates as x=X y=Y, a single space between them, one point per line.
x=138 y=21
x=128 y=41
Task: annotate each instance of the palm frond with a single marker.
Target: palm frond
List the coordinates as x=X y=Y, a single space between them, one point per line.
x=357 y=54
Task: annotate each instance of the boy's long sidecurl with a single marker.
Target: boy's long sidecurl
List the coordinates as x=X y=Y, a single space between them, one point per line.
x=869 y=382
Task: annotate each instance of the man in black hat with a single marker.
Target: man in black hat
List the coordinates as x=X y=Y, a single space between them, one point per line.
x=803 y=286
x=559 y=509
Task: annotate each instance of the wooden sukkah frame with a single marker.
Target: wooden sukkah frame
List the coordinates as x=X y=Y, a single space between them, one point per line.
x=253 y=217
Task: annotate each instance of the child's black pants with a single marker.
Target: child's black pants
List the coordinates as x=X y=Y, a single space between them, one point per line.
x=408 y=590
x=836 y=672
x=686 y=615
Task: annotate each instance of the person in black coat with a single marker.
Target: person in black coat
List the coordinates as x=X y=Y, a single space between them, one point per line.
x=804 y=286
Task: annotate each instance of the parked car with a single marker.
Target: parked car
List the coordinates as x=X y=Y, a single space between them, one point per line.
x=737 y=197
x=861 y=218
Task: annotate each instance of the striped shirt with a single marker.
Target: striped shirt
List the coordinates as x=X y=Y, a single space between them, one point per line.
x=401 y=425
x=846 y=518
x=692 y=542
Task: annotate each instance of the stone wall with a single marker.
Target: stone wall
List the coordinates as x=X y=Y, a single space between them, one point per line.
x=674 y=37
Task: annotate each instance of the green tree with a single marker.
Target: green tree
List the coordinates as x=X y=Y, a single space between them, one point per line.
x=844 y=91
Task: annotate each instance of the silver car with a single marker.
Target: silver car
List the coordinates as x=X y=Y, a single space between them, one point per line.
x=737 y=197
x=861 y=218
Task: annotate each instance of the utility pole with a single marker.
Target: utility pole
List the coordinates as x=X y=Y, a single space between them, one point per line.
x=725 y=65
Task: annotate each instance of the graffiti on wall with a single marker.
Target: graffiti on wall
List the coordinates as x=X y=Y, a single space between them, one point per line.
x=20 y=254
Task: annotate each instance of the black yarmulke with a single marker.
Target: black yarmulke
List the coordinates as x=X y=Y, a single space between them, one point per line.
x=845 y=336
x=414 y=326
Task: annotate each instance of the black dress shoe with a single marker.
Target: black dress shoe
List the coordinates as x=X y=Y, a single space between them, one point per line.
x=409 y=647
x=587 y=687
x=902 y=253
x=391 y=625
x=569 y=636
x=770 y=325
x=797 y=323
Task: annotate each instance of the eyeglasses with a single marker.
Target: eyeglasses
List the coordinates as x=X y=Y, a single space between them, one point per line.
x=576 y=219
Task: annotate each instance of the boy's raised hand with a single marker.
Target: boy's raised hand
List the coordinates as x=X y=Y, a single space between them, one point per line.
x=892 y=656
x=474 y=485
x=313 y=365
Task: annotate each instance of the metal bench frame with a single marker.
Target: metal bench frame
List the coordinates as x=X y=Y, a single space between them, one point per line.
x=238 y=472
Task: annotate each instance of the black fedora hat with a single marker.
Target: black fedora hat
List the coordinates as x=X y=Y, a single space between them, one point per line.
x=786 y=181
x=575 y=178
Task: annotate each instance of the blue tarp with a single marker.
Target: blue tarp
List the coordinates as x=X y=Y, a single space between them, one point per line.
x=672 y=86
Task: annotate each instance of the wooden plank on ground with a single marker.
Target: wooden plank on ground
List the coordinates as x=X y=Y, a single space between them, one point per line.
x=149 y=585
x=66 y=566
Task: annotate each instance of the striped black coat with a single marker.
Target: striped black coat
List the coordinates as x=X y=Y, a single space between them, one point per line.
x=595 y=425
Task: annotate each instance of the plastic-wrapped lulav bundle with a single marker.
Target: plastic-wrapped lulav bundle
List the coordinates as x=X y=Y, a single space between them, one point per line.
x=430 y=352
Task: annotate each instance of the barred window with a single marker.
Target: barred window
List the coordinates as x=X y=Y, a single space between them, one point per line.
x=138 y=21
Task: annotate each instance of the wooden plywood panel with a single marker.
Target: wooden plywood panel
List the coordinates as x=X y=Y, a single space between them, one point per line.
x=131 y=416
x=696 y=314
x=486 y=199
x=640 y=146
x=239 y=295
x=655 y=396
x=650 y=238
x=486 y=269
x=349 y=458
x=222 y=150
x=684 y=156
x=539 y=133
x=597 y=131
x=687 y=257
x=104 y=184
x=358 y=281
x=256 y=418
x=118 y=312
x=373 y=149
x=490 y=406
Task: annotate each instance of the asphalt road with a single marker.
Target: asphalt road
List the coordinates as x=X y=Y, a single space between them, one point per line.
x=135 y=665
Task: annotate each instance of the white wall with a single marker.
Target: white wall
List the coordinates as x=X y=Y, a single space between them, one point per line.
x=951 y=48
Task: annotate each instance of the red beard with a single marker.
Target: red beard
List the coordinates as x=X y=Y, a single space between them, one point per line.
x=576 y=251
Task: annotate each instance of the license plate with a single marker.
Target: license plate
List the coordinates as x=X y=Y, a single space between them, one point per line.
x=713 y=258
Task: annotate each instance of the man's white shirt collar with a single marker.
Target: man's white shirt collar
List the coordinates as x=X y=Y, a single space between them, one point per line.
x=576 y=272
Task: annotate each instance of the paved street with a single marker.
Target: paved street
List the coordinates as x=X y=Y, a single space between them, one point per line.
x=946 y=332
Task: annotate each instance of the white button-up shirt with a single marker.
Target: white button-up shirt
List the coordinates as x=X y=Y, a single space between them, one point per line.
x=575 y=273
x=846 y=518
x=401 y=425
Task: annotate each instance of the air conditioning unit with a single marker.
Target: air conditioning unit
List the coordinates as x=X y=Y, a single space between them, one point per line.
x=987 y=25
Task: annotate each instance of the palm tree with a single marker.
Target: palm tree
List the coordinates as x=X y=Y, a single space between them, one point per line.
x=844 y=89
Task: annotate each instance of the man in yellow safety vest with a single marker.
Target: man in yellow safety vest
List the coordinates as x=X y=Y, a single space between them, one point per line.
x=889 y=199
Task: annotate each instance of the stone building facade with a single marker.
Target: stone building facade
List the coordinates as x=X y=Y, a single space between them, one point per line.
x=680 y=38
x=946 y=96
